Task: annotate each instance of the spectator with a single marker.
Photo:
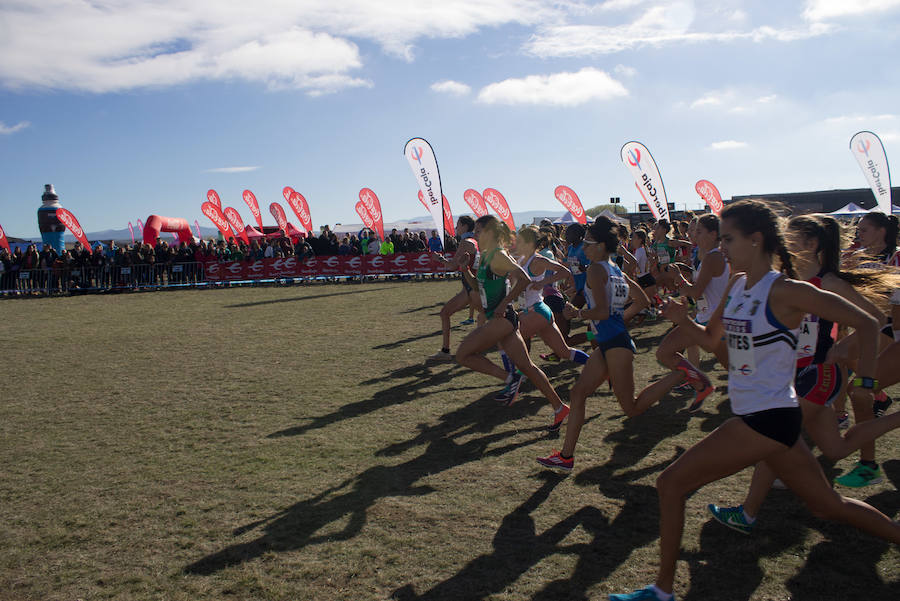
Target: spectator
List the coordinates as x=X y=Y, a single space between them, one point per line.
x=434 y=243
x=374 y=244
x=387 y=248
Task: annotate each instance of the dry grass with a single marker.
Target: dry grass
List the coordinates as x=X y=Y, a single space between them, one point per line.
x=287 y=443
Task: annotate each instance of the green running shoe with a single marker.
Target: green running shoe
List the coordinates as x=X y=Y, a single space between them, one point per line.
x=645 y=594
x=733 y=517
x=861 y=475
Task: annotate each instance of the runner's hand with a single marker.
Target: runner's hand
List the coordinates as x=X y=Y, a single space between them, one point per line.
x=570 y=311
x=675 y=311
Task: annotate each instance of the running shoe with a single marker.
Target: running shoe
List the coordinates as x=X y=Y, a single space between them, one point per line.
x=701 y=396
x=882 y=403
x=860 y=476
x=556 y=460
x=551 y=357
x=558 y=418
x=645 y=594
x=733 y=517
x=684 y=386
x=510 y=394
x=843 y=420
x=441 y=357
x=777 y=484
x=467 y=322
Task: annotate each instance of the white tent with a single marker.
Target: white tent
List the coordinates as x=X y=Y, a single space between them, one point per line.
x=567 y=219
x=850 y=209
x=613 y=217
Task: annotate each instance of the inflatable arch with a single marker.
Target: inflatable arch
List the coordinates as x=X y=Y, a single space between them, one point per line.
x=156 y=224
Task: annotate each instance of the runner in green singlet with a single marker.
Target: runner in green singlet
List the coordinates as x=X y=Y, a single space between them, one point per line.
x=495 y=274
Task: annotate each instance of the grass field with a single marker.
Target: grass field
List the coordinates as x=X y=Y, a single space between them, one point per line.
x=288 y=443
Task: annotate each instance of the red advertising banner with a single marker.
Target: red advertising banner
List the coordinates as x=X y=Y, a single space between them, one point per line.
x=364 y=215
x=73 y=226
x=197 y=225
x=280 y=217
x=373 y=206
x=301 y=208
x=253 y=205
x=140 y=225
x=4 y=243
x=237 y=224
x=213 y=197
x=215 y=215
x=332 y=266
x=449 y=226
x=495 y=200
x=131 y=231
x=570 y=200
x=475 y=202
x=710 y=194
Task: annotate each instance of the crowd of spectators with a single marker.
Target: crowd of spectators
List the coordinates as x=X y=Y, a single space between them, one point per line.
x=33 y=271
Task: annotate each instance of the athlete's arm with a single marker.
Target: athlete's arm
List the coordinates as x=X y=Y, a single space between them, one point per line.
x=790 y=300
x=542 y=264
x=596 y=280
x=640 y=300
x=712 y=266
x=709 y=336
x=502 y=264
x=465 y=251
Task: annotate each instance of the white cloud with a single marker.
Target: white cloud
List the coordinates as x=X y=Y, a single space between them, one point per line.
x=447 y=86
x=823 y=10
x=557 y=89
x=114 y=46
x=767 y=99
x=656 y=26
x=625 y=71
x=732 y=100
x=6 y=130
x=232 y=169
x=711 y=99
x=728 y=145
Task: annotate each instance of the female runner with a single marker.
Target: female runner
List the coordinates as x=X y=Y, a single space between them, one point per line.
x=502 y=327
x=606 y=292
x=707 y=288
x=815 y=244
x=761 y=314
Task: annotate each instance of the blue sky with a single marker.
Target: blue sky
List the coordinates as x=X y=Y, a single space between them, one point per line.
x=132 y=107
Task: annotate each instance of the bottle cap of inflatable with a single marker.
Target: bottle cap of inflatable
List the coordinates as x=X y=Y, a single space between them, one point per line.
x=50 y=198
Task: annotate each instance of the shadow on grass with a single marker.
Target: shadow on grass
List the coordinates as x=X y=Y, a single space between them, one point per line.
x=296 y=527
x=405 y=341
x=396 y=395
x=305 y=298
x=423 y=308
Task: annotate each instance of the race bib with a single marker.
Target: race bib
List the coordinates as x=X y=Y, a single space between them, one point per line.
x=702 y=305
x=618 y=295
x=809 y=336
x=574 y=265
x=739 y=336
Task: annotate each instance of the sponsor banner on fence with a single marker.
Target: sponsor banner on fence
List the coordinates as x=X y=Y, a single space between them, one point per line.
x=332 y=266
x=647 y=179
x=570 y=200
x=869 y=153
x=710 y=194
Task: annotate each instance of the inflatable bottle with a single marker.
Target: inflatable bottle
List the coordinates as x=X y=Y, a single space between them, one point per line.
x=52 y=229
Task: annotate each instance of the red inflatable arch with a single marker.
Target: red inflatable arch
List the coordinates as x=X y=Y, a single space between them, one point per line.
x=156 y=224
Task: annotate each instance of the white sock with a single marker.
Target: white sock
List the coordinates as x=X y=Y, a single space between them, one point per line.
x=749 y=519
x=662 y=596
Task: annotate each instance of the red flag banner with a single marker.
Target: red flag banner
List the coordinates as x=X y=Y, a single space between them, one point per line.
x=364 y=215
x=710 y=194
x=253 y=205
x=449 y=226
x=197 y=225
x=301 y=209
x=215 y=215
x=495 y=200
x=475 y=202
x=140 y=225
x=131 y=231
x=373 y=206
x=4 y=243
x=72 y=224
x=280 y=217
x=570 y=200
x=237 y=224
x=213 y=197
